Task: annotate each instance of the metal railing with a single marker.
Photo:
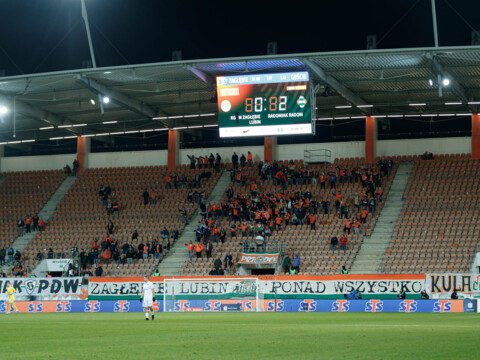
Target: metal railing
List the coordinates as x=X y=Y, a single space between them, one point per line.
x=317 y=156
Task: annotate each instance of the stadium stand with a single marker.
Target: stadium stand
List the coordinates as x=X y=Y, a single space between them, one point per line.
x=313 y=246
x=82 y=215
x=438 y=228
x=22 y=195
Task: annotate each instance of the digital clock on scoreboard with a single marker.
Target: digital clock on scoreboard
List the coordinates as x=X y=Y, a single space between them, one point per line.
x=264 y=104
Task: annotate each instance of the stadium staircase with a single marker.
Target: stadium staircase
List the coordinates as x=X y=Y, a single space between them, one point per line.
x=373 y=248
x=176 y=257
x=21 y=242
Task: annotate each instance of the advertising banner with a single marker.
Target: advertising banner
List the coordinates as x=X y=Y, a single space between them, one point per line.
x=256 y=258
x=284 y=287
x=288 y=305
x=45 y=288
x=441 y=286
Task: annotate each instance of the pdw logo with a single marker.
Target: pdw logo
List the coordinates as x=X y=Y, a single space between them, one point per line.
x=64 y=306
x=308 y=305
x=442 y=306
x=246 y=305
x=341 y=306
x=180 y=305
x=35 y=307
x=92 y=306
x=374 y=306
x=408 y=306
x=121 y=306
x=212 y=305
x=280 y=305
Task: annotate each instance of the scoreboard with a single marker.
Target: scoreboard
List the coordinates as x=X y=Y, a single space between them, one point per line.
x=264 y=104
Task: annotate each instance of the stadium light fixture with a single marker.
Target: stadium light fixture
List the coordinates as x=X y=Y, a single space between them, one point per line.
x=364 y=106
x=106 y=99
x=109 y=122
x=79 y=125
x=92 y=101
x=418 y=104
x=430 y=82
x=47 y=128
x=3 y=110
x=343 y=107
x=454 y=103
x=446 y=82
x=28 y=141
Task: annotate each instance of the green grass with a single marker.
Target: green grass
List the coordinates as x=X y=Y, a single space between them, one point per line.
x=240 y=336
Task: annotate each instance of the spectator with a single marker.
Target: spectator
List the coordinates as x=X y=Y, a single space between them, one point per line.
x=135 y=235
x=208 y=249
x=250 y=159
x=10 y=254
x=35 y=222
x=99 y=270
x=344 y=270
x=402 y=295
x=3 y=253
x=75 y=167
x=235 y=160
x=67 y=170
x=146 y=197
x=454 y=295
x=110 y=227
x=20 y=226
x=343 y=243
x=334 y=243
x=296 y=264
x=192 y=161
x=287 y=263
x=198 y=249
x=243 y=160
x=41 y=225
x=424 y=295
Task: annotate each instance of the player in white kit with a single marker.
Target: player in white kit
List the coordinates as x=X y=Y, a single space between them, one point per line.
x=148 y=298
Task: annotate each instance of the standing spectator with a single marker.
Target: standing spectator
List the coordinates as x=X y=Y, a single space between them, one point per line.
x=343 y=243
x=20 y=226
x=235 y=160
x=198 y=249
x=99 y=270
x=41 y=225
x=110 y=227
x=454 y=295
x=153 y=198
x=208 y=249
x=3 y=253
x=190 y=248
x=35 y=222
x=75 y=167
x=287 y=263
x=28 y=224
x=344 y=270
x=296 y=264
x=250 y=159
x=146 y=197
x=192 y=161
x=334 y=243
x=243 y=160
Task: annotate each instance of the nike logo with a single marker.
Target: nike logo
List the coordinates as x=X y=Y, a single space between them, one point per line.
x=245 y=131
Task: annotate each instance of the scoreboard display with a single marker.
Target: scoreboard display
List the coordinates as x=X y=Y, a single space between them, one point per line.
x=264 y=104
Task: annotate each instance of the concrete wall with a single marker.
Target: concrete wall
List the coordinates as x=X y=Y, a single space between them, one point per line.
x=285 y=152
x=41 y=162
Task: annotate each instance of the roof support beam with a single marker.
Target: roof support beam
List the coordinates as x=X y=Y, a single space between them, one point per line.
x=118 y=98
x=456 y=87
x=345 y=93
x=207 y=79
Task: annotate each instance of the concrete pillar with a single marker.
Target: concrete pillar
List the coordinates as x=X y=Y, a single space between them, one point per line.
x=476 y=136
x=270 y=149
x=83 y=149
x=173 y=149
x=370 y=138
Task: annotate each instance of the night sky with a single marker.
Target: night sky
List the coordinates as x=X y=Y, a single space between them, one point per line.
x=49 y=35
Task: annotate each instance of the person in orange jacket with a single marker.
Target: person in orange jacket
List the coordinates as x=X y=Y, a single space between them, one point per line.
x=198 y=249
x=190 y=248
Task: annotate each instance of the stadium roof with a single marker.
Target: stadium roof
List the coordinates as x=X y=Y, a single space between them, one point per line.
x=373 y=82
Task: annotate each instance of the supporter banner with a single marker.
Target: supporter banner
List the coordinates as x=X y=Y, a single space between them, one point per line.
x=442 y=285
x=45 y=288
x=299 y=286
x=289 y=305
x=255 y=258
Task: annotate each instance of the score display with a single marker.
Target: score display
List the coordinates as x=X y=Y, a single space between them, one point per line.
x=264 y=104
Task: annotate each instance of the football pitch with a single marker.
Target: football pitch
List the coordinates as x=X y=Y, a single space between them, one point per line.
x=240 y=336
